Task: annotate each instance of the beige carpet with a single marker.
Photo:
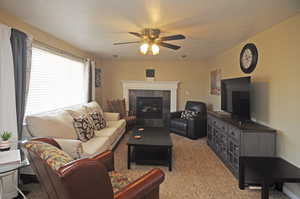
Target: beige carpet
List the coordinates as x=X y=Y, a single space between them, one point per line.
x=197 y=174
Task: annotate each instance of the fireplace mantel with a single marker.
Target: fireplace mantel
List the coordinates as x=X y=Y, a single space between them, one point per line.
x=151 y=85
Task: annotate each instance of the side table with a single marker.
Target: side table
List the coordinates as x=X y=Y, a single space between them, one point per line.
x=11 y=170
x=266 y=171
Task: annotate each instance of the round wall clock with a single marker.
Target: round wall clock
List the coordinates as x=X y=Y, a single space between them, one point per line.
x=248 y=58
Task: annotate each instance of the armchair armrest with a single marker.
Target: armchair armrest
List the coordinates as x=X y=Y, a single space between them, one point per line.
x=142 y=186
x=88 y=175
x=111 y=116
x=197 y=127
x=106 y=158
x=72 y=147
x=175 y=114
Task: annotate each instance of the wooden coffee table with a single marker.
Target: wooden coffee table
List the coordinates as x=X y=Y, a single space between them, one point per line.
x=153 y=148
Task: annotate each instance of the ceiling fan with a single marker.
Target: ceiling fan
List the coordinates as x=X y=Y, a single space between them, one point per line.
x=150 y=41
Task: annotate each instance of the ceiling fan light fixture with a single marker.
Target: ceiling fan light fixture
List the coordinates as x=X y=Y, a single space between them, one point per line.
x=155 y=49
x=144 y=48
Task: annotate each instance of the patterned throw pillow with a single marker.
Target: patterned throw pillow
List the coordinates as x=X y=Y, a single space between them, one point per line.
x=118 y=180
x=54 y=157
x=84 y=127
x=98 y=120
x=187 y=115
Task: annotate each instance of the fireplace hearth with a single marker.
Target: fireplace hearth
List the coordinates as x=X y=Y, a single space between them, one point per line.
x=149 y=107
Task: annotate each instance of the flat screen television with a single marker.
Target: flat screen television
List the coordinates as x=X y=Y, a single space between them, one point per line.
x=235 y=97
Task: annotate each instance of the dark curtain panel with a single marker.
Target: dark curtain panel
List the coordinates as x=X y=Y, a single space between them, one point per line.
x=19 y=51
x=90 y=82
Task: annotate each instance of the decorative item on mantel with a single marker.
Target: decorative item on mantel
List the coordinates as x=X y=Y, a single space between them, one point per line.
x=5 y=143
x=150 y=74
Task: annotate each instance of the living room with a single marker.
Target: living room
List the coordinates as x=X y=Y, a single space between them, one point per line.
x=215 y=35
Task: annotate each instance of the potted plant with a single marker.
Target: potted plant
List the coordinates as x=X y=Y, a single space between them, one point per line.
x=5 y=144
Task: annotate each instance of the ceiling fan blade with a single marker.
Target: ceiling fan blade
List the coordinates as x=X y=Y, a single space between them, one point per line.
x=172 y=37
x=130 y=42
x=136 y=34
x=174 y=47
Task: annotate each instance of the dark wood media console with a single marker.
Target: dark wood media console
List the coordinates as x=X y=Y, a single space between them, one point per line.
x=230 y=139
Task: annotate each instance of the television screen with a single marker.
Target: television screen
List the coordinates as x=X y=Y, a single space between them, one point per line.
x=235 y=97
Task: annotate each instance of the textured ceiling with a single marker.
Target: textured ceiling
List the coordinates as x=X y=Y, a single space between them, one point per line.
x=211 y=26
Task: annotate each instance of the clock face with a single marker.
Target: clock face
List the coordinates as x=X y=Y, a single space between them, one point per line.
x=248 y=58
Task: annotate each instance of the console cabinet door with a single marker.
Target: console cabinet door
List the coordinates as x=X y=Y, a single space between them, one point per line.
x=233 y=153
x=209 y=134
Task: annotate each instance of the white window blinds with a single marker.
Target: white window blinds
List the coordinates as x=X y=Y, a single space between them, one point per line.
x=55 y=82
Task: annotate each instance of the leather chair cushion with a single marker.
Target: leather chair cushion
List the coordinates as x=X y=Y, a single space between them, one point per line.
x=180 y=124
x=118 y=180
x=54 y=157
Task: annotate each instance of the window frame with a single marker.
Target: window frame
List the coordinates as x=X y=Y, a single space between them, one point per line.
x=57 y=52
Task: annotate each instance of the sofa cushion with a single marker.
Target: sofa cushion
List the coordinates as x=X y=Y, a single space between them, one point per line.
x=54 y=157
x=117 y=124
x=84 y=127
x=76 y=110
x=113 y=131
x=56 y=124
x=106 y=132
x=96 y=145
x=98 y=120
x=187 y=114
x=93 y=106
x=118 y=180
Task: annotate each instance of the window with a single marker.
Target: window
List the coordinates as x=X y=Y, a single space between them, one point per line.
x=55 y=82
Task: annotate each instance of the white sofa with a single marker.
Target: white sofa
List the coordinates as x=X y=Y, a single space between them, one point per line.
x=58 y=124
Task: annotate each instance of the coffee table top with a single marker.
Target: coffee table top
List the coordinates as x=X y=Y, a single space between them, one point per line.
x=151 y=136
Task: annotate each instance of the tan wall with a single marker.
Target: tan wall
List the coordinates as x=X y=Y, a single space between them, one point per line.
x=276 y=91
x=192 y=76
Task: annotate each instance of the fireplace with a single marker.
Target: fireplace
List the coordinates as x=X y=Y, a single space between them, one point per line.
x=165 y=90
x=152 y=107
x=149 y=107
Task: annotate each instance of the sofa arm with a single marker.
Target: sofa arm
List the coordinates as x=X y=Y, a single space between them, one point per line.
x=111 y=116
x=142 y=186
x=72 y=147
x=106 y=158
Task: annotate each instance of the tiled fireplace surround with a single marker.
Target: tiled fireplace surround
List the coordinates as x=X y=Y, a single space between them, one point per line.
x=167 y=90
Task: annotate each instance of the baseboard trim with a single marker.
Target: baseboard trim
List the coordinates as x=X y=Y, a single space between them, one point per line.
x=289 y=193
